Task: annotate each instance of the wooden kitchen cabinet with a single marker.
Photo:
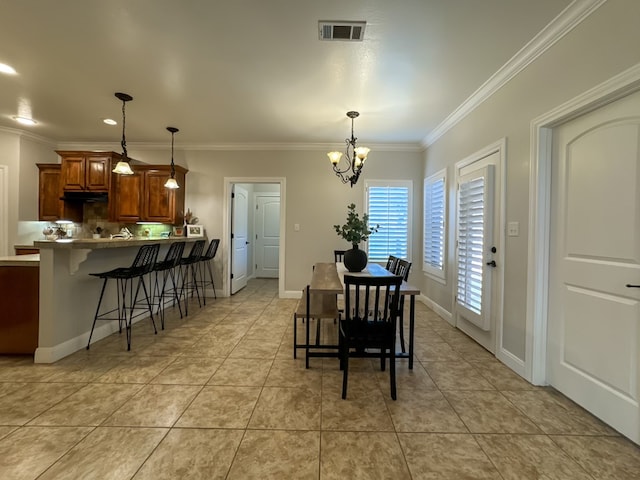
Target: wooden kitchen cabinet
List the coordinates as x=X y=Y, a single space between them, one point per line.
x=125 y=204
x=50 y=207
x=87 y=171
x=142 y=197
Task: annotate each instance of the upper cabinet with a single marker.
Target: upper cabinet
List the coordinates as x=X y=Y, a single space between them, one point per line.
x=87 y=171
x=50 y=206
x=142 y=197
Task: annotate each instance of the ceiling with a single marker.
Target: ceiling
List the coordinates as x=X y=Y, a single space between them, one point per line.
x=241 y=72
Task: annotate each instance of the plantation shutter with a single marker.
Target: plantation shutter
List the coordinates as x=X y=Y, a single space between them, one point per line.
x=434 y=228
x=388 y=206
x=475 y=192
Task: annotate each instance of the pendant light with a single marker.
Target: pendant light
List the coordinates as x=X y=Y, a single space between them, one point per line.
x=123 y=167
x=355 y=156
x=172 y=182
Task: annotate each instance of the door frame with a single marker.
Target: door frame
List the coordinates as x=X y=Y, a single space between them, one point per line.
x=500 y=182
x=541 y=156
x=226 y=228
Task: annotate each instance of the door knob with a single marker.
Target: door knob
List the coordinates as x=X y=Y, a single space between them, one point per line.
x=492 y=263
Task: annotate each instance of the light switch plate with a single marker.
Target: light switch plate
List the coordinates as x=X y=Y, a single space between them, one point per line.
x=513 y=229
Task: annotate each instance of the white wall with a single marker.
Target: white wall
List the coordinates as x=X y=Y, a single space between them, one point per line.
x=315 y=197
x=602 y=46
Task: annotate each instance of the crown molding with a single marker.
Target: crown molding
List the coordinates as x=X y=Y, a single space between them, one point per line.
x=567 y=20
x=28 y=135
x=381 y=147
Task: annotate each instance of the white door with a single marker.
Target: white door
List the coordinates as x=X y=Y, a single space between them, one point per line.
x=239 y=214
x=477 y=249
x=594 y=302
x=267 y=230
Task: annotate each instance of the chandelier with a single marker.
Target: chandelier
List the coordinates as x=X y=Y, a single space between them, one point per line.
x=355 y=157
x=171 y=181
x=123 y=167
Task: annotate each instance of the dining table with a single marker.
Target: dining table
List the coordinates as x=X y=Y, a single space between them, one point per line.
x=328 y=279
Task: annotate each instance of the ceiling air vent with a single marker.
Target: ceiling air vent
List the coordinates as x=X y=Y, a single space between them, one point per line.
x=346 y=31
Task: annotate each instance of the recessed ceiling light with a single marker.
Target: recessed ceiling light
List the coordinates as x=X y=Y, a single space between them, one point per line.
x=8 y=69
x=109 y=121
x=25 y=121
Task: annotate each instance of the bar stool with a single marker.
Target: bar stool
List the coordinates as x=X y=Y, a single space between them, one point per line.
x=188 y=274
x=205 y=261
x=127 y=300
x=167 y=270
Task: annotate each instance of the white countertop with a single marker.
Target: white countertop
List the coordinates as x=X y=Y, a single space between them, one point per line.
x=32 y=260
x=93 y=244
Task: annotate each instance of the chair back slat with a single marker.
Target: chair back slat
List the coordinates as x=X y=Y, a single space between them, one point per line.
x=212 y=249
x=338 y=255
x=402 y=268
x=195 y=253
x=391 y=263
x=174 y=254
x=371 y=299
x=145 y=259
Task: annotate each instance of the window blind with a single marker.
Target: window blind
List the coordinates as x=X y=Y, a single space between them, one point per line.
x=471 y=207
x=434 y=228
x=388 y=206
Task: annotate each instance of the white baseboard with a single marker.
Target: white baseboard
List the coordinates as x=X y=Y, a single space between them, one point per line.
x=510 y=360
x=55 y=353
x=440 y=310
x=291 y=294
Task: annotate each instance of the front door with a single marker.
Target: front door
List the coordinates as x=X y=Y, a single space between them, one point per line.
x=239 y=224
x=594 y=294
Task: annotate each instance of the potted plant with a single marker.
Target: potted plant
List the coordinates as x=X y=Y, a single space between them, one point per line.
x=356 y=230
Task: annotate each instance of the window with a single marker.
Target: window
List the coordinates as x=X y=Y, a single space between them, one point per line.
x=388 y=204
x=435 y=211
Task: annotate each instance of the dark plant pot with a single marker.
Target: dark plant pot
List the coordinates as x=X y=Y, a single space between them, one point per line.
x=355 y=259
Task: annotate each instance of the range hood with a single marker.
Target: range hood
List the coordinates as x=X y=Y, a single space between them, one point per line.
x=88 y=197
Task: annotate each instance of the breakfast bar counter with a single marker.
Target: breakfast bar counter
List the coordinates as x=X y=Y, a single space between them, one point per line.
x=69 y=295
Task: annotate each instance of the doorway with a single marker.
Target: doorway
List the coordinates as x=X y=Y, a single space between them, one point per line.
x=264 y=249
x=478 y=284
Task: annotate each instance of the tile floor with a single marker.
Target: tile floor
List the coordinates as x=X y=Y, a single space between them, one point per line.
x=218 y=396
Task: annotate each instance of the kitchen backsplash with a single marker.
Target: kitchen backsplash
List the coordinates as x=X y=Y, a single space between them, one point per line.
x=95 y=220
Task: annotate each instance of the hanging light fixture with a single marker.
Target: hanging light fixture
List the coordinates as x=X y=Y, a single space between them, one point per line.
x=355 y=156
x=171 y=181
x=123 y=167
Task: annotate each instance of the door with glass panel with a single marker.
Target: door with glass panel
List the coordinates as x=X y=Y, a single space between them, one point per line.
x=477 y=245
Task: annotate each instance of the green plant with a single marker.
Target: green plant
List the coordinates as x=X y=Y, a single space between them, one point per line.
x=356 y=229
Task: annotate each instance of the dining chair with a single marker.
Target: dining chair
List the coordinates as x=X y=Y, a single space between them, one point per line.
x=369 y=325
x=313 y=306
x=338 y=255
x=402 y=268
